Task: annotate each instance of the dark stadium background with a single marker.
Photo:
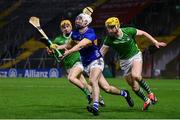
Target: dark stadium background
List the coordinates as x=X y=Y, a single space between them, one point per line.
x=19 y=41
x=30 y=86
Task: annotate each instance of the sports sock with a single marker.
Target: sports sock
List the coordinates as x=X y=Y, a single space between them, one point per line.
x=145 y=86
x=86 y=91
x=96 y=105
x=123 y=93
x=100 y=98
x=140 y=93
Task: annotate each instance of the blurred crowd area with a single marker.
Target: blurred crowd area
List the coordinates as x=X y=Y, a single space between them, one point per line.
x=20 y=45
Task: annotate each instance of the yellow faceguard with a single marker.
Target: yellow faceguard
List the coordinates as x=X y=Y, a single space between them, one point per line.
x=65 y=22
x=112 y=21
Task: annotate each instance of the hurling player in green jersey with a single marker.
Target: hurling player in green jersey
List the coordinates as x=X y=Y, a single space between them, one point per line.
x=72 y=62
x=122 y=40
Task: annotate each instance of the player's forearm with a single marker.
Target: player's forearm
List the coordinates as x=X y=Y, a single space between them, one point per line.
x=147 y=35
x=63 y=47
x=154 y=41
x=80 y=45
x=103 y=50
x=75 y=48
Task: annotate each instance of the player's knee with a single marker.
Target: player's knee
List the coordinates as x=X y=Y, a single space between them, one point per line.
x=135 y=87
x=90 y=83
x=70 y=78
x=136 y=77
x=107 y=89
x=94 y=84
x=93 y=81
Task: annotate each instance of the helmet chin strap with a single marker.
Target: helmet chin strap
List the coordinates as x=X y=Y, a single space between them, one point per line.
x=83 y=29
x=81 y=26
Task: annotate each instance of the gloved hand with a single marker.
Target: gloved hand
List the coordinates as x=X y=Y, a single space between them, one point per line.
x=53 y=46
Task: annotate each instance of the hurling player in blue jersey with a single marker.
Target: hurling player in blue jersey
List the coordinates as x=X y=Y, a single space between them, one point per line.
x=84 y=40
x=86 y=43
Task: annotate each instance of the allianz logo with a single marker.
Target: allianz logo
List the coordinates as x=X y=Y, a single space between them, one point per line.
x=12 y=72
x=34 y=73
x=53 y=73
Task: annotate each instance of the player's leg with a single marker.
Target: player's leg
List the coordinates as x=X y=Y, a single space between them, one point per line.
x=89 y=97
x=84 y=81
x=94 y=77
x=137 y=62
x=101 y=101
x=87 y=88
x=126 y=66
x=95 y=70
x=136 y=77
x=113 y=90
x=136 y=73
x=74 y=77
x=137 y=89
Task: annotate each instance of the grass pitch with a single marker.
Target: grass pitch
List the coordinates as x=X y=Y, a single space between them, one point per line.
x=57 y=98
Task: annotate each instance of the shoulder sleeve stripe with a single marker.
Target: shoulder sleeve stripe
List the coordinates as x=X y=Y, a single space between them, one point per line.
x=87 y=39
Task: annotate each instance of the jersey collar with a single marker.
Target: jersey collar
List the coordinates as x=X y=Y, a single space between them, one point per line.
x=67 y=37
x=121 y=34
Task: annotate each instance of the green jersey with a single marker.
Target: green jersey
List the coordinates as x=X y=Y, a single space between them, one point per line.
x=125 y=46
x=71 y=59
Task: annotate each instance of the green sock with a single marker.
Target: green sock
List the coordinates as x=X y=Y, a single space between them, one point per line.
x=140 y=93
x=86 y=91
x=100 y=97
x=145 y=86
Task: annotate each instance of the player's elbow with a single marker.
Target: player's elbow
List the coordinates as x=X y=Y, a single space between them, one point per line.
x=145 y=34
x=103 y=52
x=141 y=32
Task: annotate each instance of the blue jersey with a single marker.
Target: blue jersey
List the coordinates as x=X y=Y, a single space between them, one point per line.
x=90 y=52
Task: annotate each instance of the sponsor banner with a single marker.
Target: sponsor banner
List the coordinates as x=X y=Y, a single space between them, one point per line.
x=31 y=73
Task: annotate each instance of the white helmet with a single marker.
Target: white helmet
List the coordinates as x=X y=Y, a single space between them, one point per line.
x=85 y=18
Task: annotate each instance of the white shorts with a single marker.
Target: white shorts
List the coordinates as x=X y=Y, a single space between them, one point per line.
x=77 y=64
x=126 y=65
x=99 y=63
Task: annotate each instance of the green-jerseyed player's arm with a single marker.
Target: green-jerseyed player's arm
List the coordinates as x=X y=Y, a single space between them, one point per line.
x=104 y=49
x=152 y=39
